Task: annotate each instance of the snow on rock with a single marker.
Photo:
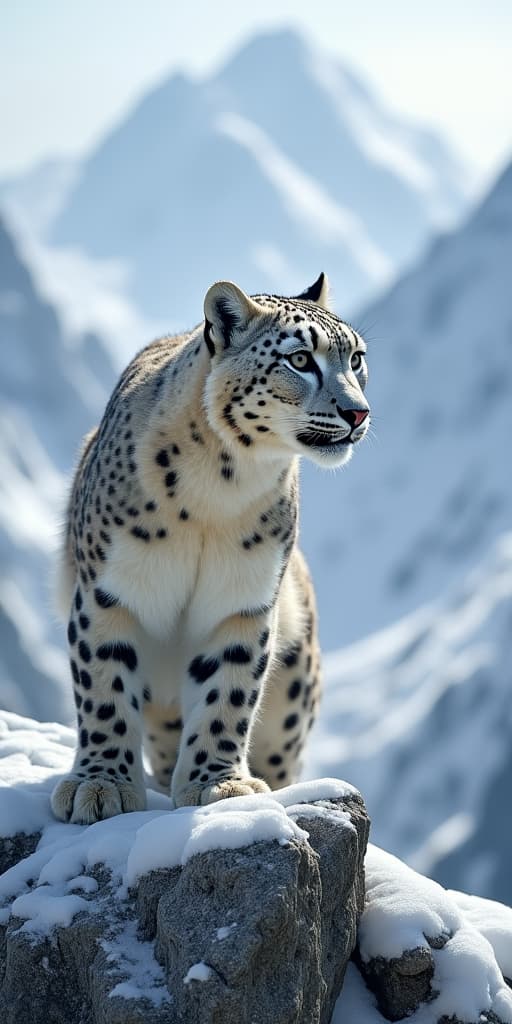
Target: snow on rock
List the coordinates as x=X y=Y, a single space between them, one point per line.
x=207 y=883
x=157 y=901
x=423 y=955
x=136 y=959
x=198 y=972
x=169 y=840
x=29 y=753
x=494 y=921
x=424 y=909
x=32 y=758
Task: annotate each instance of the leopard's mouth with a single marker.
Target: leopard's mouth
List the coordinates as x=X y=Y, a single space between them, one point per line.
x=323 y=439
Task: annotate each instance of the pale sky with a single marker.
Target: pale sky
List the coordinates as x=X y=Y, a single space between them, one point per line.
x=71 y=68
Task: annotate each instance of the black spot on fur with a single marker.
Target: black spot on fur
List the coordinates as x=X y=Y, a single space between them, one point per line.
x=74 y=671
x=120 y=727
x=140 y=533
x=98 y=737
x=118 y=684
x=123 y=769
x=290 y=722
x=193 y=775
x=84 y=651
x=275 y=759
x=135 y=703
x=216 y=727
x=128 y=756
x=84 y=738
x=84 y=621
x=291 y=656
x=242 y=726
x=111 y=753
x=237 y=654
x=85 y=679
x=88 y=705
x=227 y=745
x=103 y=599
x=106 y=711
x=294 y=689
x=212 y=696
x=177 y=724
x=201 y=668
x=201 y=757
x=191 y=739
x=72 y=633
x=237 y=698
x=118 y=652
x=78 y=600
x=261 y=665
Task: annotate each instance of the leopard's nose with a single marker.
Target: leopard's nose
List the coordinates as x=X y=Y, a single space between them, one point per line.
x=353 y=416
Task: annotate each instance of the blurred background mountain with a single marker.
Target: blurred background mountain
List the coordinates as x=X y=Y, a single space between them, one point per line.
x=279 y=163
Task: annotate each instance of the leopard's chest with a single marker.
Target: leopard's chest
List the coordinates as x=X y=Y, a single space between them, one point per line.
x=190 y=582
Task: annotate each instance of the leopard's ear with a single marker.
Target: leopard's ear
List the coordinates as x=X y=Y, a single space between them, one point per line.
x=228 y=312
x=317 y=292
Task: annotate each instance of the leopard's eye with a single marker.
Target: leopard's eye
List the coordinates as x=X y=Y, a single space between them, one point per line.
x=299 y=360
x=356 y=361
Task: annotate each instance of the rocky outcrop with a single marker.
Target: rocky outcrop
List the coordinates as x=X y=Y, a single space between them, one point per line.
x=262 y=932
x=428 y=955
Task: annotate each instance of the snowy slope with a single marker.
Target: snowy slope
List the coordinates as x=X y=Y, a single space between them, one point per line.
x=419 y=718
x=281 y=163
x=425 y=497
x=50 y=393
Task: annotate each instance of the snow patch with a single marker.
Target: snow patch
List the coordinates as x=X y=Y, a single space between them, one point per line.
x=135 y=959
x=403 y=910
x=198 y=972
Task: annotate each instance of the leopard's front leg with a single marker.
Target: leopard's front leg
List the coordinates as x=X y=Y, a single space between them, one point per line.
x=107 y=776
x=220 y=701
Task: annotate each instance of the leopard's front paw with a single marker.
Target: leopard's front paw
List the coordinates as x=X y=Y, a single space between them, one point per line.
x=84 y=801
x=221 y=789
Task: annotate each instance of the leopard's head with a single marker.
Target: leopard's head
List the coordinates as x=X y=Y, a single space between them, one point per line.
x=286 y=376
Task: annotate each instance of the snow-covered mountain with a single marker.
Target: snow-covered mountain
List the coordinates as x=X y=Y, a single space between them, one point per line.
x=50 y=393
x=35 y=197
x=423 y=500
x=419 y=718
x=281 y=163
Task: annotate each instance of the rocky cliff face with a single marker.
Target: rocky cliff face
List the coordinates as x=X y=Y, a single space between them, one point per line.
x=263 y=932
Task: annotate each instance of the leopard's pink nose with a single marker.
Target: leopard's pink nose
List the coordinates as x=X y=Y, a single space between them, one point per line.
x=354 y=416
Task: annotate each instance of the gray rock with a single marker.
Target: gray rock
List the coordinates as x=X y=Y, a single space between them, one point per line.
x=15 y=848
x=275 y=926
x=400 y=984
